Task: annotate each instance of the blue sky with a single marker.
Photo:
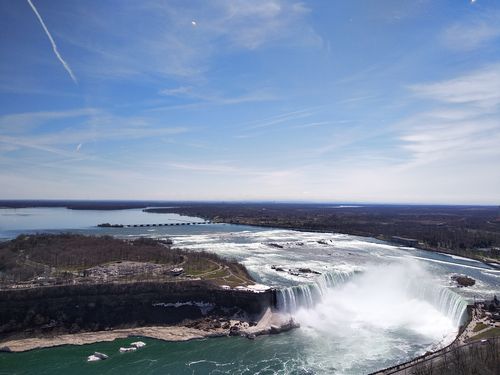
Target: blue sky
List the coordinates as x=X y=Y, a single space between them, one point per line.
x=345 y=101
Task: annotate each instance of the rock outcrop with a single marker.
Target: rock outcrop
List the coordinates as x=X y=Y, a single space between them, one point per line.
x=463 y=281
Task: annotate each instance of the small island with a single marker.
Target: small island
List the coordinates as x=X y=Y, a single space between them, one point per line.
x=75 y=289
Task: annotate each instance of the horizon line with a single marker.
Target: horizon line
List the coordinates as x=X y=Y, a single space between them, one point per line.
x=254 y=201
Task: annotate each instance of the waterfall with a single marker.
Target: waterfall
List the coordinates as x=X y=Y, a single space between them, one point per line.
x=413 y=286
x=449 y=303
x=292 y=298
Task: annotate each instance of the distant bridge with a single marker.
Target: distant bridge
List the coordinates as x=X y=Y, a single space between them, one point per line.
x=108 y=225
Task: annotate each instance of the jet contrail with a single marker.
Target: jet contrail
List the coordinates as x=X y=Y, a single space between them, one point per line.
x=54 y=46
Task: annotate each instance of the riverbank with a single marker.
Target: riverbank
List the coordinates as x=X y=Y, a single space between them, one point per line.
x=269 y=323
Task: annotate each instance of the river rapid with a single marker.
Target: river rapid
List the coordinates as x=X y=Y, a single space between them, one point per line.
x=363 y=304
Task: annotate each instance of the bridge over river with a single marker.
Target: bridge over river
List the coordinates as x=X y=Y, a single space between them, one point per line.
x=108 y=225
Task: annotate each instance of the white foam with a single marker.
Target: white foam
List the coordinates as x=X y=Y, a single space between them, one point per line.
x=454 y=264
x=461 y=258
x=384 y=299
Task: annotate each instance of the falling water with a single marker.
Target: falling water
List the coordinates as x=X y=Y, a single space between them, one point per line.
x=449 y=303
x=410 y=283
x=306 y=295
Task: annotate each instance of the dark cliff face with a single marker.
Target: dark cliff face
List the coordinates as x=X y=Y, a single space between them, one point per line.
x=98 y=307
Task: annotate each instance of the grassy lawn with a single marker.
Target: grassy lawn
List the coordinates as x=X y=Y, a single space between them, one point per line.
x=492 y=332
x=217 y=275
x=199 y=269
x=479 y=327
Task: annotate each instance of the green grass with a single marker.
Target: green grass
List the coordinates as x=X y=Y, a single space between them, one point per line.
x=200 y=267
x=217 y=275
x=479 y=327
x=493 y=332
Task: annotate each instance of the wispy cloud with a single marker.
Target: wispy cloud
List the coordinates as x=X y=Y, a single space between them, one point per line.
x=474 y=33
x=203 y=167
x=86 y=125
x=198 y=98
x=313 y=124
x=258 y=22
x=283 y=117
x=452 y=141
x=171 y=46
x=464 y=125
x=19 y=122
x=228 y=170
x=53 y=43
x=479 y=88
x=176 y=91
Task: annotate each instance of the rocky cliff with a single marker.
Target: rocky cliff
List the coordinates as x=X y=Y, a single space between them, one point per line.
x=76 y=308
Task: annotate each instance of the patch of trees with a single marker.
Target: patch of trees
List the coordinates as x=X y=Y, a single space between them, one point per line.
x=65 y=255
x=78 y=251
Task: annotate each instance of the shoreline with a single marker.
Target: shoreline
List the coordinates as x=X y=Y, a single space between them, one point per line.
x=269 y=323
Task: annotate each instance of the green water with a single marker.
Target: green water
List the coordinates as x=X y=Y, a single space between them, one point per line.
x=294 y=352
x=211 y=356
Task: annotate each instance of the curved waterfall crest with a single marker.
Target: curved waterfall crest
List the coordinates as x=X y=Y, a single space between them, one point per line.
x=307 y=295
x=449 y=303
x=416 y=287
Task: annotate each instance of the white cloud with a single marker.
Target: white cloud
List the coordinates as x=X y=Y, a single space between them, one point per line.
x=480 y=88
x=253 y=24
x=19 y=122
x=176 y=91
x=284 y=117
x=474 y=33
x=86 y=125
x=233 y=169
x=447 y=153
x=169 y=45
x=465 y=126
x=200 y=97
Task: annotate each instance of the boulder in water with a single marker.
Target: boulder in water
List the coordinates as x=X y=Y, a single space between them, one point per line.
x=308 y=270
x=125 y=350
x=138 y=344
x=277 y=268
x=463 y=281
x=97 y=357
x=284 y=327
